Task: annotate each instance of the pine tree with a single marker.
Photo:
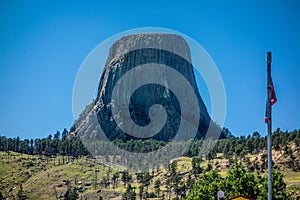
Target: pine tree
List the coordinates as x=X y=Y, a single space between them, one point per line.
x=71 y=194
x=129 y=194
x=196 y=168
x=157 y=184
x=141 y=191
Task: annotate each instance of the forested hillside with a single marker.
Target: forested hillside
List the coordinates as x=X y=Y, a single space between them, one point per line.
x=63 y=144
x=59 y=166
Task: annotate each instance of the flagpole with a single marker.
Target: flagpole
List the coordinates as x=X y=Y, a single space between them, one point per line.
x=269 y=113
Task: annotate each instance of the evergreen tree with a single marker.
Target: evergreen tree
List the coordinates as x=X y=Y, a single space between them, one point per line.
x=196 y=168
x=141 y=191
x=126 y=177
x=1 y=196
x=129 y=194
x=71 y=194
x=115 y=178
x=157 y=184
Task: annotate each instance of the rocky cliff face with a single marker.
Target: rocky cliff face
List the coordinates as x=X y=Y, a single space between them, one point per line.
x=157 y=52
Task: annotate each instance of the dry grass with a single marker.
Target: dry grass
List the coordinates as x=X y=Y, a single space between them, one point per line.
x=45 y=179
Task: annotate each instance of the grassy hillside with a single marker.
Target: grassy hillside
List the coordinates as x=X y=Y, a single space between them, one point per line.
x=40 y=177
x=49 y=178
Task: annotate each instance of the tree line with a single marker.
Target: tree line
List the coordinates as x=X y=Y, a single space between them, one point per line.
x=63 y=144
x=59 y=143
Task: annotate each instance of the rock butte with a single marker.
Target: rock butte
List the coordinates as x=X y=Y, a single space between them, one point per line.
x=134 y=51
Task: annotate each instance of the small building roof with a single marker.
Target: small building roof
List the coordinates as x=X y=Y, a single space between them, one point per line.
x=241 y=198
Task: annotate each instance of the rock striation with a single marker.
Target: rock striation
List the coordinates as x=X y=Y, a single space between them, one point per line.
x=130 y=53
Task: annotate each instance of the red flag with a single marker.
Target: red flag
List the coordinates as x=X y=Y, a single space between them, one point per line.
x=273 y=99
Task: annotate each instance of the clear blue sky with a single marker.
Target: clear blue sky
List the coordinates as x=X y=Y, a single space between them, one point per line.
x=43 y=43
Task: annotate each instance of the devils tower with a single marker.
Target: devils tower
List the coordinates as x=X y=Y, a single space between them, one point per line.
x=129 y=53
